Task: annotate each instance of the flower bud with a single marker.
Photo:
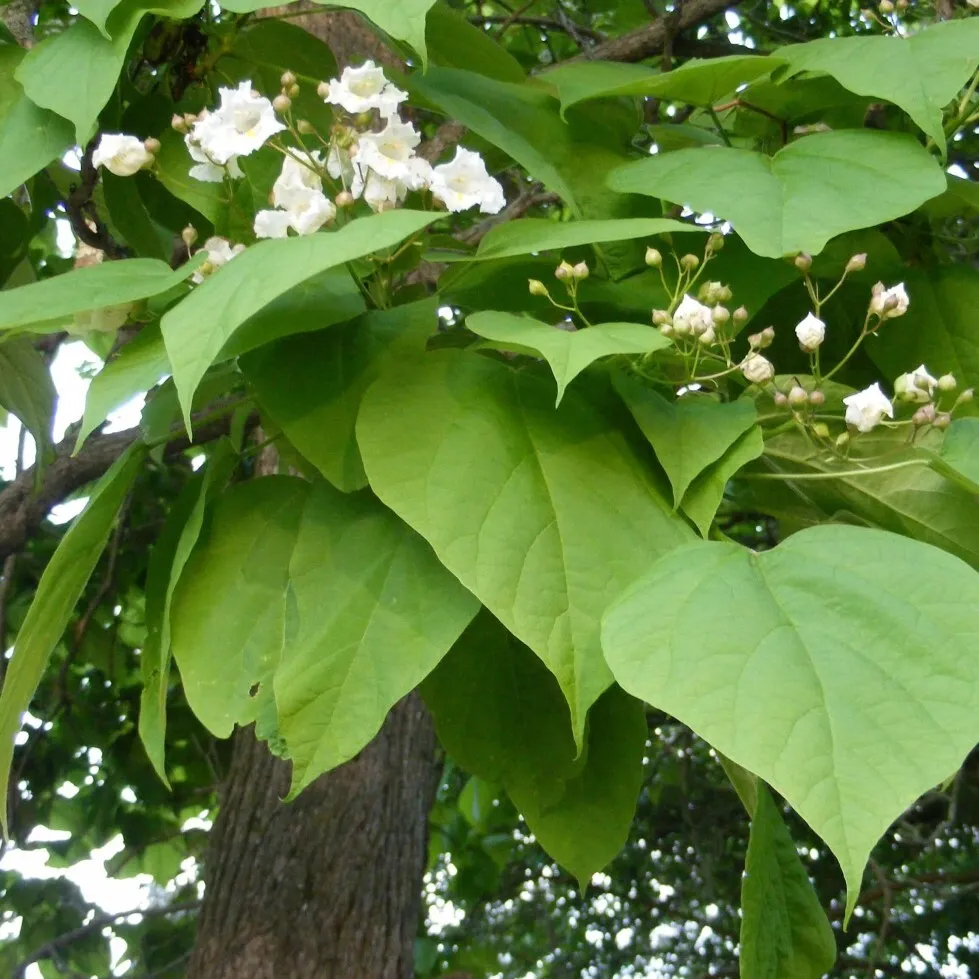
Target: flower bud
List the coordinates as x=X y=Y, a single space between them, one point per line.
x=842 y=440
x=858 y=263
x=798 y=396
x=662 y=318
x=190 y=119
x=810 y=333
x=759 y=341
x=707 y=337
x=724 y=294
x=305 y=127
x=689 y=262
x=207 y=268
x=821 y=430
x=803 y=262
x=292 y=91
x=323 y=90
x=667 y=329
x=781 y=400
x=942 y=420
x=152 y=145
x=925 y=415
x=757 y=369
x=740 y=315
x=768 y=335
x=282 y=103
x=564 y=272
x=580 y=271
x=179 y=123
x=885 y=7
x=653 y=258
x=189 y=235
x=901 y=5
x=965 y=397
x=716 y=242
x=947 y=383
x=720 y=315
x=344 y=199
x=535 y=286
x=287 y=79
x=817 y=399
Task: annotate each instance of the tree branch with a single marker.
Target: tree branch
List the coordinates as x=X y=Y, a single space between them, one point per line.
x=653 y=38
x=82 y=215
x=23 y=507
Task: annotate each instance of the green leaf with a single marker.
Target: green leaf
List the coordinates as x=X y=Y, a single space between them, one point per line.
x=173 y=165
x=330 y=596
x=921 y=73
x=455 y=43
x=704 y=495
x=97 y=11
x=168 y=559
x=57 y=592
x=785 y=933
x=527 y=235
x=77 y=291
x=282 y=46
x=311 y=386
x=839 y=667
x=687 y=434
x=959 y=455
x=500 y=715
x=131 y=218
x=814 y=188
x=695 y=82
x=30 y=137
x=404 y=20
x=26 y=389
x=91 y=59
x=567 y=352
x=544 y=515
x=197 y=329
x=138 y=367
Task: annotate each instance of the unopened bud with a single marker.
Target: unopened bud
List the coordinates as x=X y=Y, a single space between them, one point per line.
x=179 y=123
x=287 y=79
x=653 y=258
x=707 y=337
x=842 y=440
x=858 y=263
x=305 y=127
x=947 y=383
x=755 y=341
x=965 y=397
x=942 y=420
x=564 y=272
x=662 y=318
x=344 y=199
x=768 y=335
x=925 y=415
x=757 y=369
x=724 y=294
x=781 y=400
x=885 y=7
x=689 y=262
x=580 y=271
x=821 y=430
x=720 y=315
x=189 y=119
x=292 y=91
x=901 y=5
x=207 y=268
x=152 y=145
x=282 y=103
x=189 y=235
x=716 y=242
x=667 y=329
x=740 y=315
x=817 y=399
x=798 y=397
x=803 y=262
x=535 y=286
x=323 y=90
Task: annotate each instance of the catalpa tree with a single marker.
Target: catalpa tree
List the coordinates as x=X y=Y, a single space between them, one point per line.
x=529 y=390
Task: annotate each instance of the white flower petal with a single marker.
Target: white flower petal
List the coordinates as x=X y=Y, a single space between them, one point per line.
x=464 y=183
x=272 y=224
x=121 y=154
x=241 y=125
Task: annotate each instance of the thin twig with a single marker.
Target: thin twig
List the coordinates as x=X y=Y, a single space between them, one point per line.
x=82 y=215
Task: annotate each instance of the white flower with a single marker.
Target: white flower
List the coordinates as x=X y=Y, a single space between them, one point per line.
x=241 y=125
x=365 y=88
x=811 y=333
x=464 y=183
x=757 y=369
x=888 y=303
x=272 y=224
x=382 y=194
x=866 y=408
x=122 y=155
x=918 y=386
x=299 y=181
x=220 y=251
x=340 y=167
x=692 y=317
x=316 y=212
x=391 y=152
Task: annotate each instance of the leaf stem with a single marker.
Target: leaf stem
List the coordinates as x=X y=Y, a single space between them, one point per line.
x=842 y=474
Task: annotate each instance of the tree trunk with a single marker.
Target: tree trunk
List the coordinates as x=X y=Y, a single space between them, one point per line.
x=328 y=886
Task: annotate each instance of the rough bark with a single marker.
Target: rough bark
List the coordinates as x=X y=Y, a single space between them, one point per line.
x=329 y=885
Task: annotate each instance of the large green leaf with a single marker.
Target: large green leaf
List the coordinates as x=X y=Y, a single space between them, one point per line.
x=131 y=218
x=687 y=434
x=527 y=235
x=57 y=592
x=696 y=82
x=567 y=352
x=173 y=165
x=107 y=284
x=329 y=597
x=921 y=73
x=784 y=931
x=197 y=329
x=839 y=667
x=30 y=137
x=168 y=559
x=500 y=715
x=455 y=43
x=91 y=59
x=795 y=201
x=97 y=11
x=545 y=515
x=959 y=456
x=311 y=386
x=26 y=389
x=138 y=366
